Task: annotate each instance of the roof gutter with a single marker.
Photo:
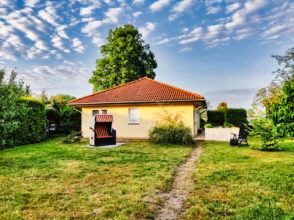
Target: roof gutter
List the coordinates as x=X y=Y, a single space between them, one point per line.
x=138 y=102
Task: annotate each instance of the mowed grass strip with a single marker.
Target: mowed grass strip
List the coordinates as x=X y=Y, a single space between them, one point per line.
x=241 y=183
x=52 y=180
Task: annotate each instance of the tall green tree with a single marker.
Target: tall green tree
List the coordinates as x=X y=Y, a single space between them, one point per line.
x=125 y=58
x=265 y=96
x=283 y=111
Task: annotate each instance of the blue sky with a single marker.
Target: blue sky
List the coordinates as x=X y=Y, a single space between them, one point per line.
x=217 y=48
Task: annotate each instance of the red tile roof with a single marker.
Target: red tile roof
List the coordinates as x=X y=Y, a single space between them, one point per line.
x=138 y=91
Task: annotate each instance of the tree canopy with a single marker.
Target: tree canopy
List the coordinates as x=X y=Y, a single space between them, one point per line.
x=265 y=96
x=125 y=58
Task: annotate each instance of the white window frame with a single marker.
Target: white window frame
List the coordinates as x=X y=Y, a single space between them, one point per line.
x=133 y=122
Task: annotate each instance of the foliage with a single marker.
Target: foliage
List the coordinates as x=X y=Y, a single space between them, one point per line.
x=283 y=111
x=265 y=130
x=222 y=106
x=125 y=58
x=202 y=123
x=255 y=112
x=68 y=181
x=73 y=137
x=269 y=94
x=215 y=117
x=60 y=101
x=167 y=134
x=69 y=120
x=208 y=125
x=170 y=129
x=22 y=118
x=52 y=114
x=228 y=125
x=236 y=116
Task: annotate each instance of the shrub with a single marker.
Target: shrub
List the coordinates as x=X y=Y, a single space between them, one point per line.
x=167 y=134
x=228 y=125
x=202 y=123
x=69 y=120
x=267 y=137
x=170 y=129
x=208 y=125
x=215 y=117
x=52 y=114
x=73 y=137
x=32 y=121
x=236 y=116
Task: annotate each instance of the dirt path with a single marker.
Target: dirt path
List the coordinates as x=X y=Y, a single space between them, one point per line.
x=173 y=200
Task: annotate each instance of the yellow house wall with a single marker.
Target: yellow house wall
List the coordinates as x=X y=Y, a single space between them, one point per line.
x=148 y=115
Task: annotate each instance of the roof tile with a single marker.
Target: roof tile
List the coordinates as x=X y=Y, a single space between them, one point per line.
x=144 y=89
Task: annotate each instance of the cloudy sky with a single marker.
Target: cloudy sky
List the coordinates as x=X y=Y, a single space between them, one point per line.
x=217 y=48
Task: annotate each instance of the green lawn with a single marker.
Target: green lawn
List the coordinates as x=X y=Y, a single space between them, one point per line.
x=52 y=180
x=241 y=183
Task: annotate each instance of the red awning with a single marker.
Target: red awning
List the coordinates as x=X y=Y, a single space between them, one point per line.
x=104 y=118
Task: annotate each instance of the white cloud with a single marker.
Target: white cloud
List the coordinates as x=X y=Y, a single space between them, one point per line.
x=186 y=49
x=61 y=32
x=213 y=10
x=137 y=14
x=112 y=15
x=31 y=3
x=232 y=7
x=49 y=15
x=57 y=42
x=163 y=41
x=243 y=33
x=98 y=41
x=172 y=17
x=68 y=62
x=183 y=5
x=91 y=27
x=87 y=11
x=138 y=2
x=213 y=31
x=239 y=17
x=159 y=4
x=147 y=29
x=77 y=45
x=194 y=35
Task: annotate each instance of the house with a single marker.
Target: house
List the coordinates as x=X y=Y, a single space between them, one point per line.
x=136 y=106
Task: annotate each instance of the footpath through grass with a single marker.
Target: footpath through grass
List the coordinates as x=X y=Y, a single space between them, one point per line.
x=241 y=183
x=52 y=180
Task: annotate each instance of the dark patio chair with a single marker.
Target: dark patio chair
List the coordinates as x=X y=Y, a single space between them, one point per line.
x=242 y=137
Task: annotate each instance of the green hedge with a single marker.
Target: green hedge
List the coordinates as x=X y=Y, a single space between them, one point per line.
x=233 y=116
x=236 y=116
x=22 y=121
x=69 y=120
x=215 y=117
x=32 y=120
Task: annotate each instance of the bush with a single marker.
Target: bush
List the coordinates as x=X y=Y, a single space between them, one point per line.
x=33 y=121
x=73 y=137
x=216 y=118
x=52 y=114
x=69 y=120
x=202 y=123
x=167 y=134
x=208 y=125
x=267 y=137
x=236 y=116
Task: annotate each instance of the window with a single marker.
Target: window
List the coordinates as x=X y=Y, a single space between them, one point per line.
x=133 y=116
x=103 y=112
x=95 y=112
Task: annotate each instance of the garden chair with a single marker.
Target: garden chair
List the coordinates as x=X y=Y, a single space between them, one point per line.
x=242 y=137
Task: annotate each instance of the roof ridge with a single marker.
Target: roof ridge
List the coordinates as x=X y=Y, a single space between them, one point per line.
x=108 y=89
x=182 y=90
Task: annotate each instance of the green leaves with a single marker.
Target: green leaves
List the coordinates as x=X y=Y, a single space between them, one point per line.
x=125 y=58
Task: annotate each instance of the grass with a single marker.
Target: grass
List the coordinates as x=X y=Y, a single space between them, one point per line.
x=241 y=183
x=57 y=181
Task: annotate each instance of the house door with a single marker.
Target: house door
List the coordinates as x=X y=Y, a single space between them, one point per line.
x=196 y=122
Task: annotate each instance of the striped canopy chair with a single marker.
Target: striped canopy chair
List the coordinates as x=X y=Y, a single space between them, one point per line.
x=102 y=132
